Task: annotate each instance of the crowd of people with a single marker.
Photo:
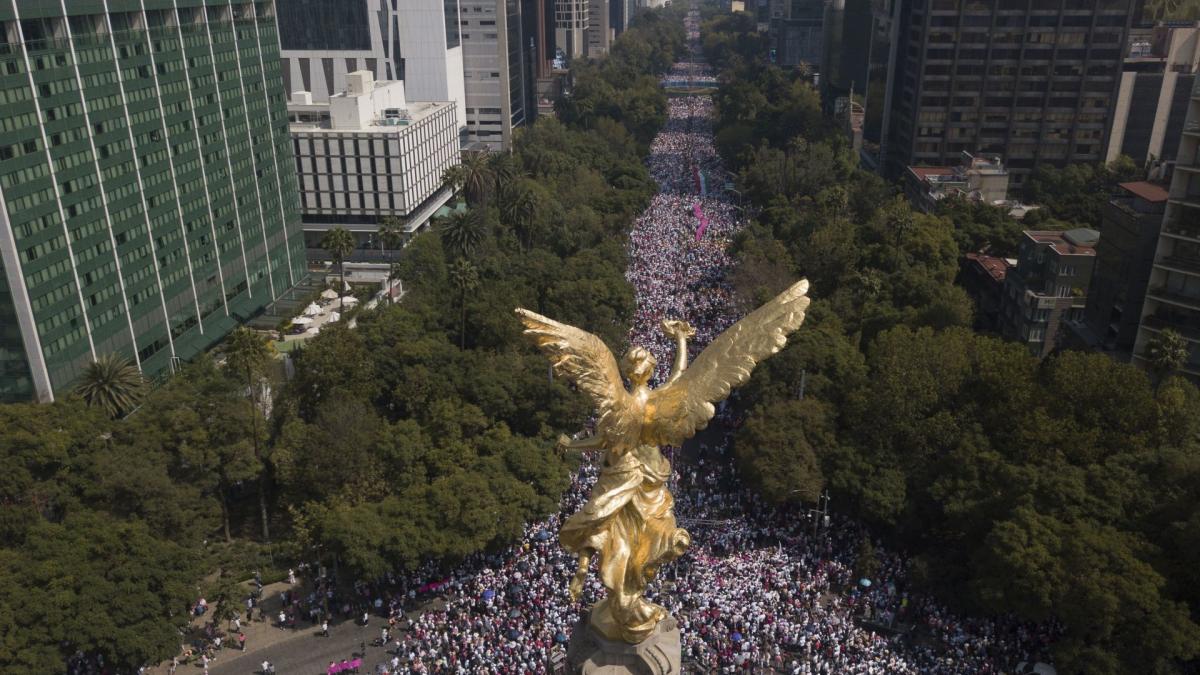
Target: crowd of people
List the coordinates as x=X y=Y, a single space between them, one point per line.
x=761 y=589
x=692 y=71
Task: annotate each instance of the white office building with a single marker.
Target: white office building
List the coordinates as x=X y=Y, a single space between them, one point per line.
x=416 y=41
x=367 y=154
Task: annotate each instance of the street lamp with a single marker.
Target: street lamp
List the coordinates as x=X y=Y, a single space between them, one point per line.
x=819 y=514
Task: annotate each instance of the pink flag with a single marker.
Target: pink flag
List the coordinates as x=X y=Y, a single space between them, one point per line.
x=703 y=221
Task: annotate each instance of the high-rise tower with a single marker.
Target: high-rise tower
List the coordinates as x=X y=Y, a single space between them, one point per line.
x=417 y=41
x=148 y=197
x=1032 y=81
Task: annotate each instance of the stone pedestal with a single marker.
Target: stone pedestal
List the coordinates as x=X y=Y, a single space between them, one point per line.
x=590 y=653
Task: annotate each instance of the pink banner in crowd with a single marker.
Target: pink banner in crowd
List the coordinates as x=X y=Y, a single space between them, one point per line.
x=702 y=219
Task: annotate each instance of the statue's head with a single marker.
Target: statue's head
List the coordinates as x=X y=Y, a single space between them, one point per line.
x=638 y=366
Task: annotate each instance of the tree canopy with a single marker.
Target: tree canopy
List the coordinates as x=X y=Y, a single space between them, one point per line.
x=1059 y=491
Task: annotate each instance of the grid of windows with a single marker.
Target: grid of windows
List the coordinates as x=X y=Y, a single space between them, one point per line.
x=391 y=171
x=145 y=181
x=1028 y=80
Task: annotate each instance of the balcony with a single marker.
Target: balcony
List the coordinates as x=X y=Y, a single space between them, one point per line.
x=1190 y=201
x=1189 y=329
x=1161 y=294
x=1182 y=228
x=1180 y=263
x=1188 y=368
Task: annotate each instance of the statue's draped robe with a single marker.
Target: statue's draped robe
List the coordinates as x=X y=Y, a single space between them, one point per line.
x=629 y=521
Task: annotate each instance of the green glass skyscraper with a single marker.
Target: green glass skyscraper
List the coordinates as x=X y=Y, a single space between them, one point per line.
x=148 y=197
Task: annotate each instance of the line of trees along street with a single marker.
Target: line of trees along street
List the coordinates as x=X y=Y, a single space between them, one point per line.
x=1064 y=491
x=426 y=434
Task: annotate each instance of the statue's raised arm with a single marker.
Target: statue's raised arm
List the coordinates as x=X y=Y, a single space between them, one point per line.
x=675 y=412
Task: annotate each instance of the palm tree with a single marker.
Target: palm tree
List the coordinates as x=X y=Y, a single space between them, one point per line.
x=391 y=233
x=453 y=178
x=465 y=277
x=462 y=232
x=247 y=354
x=340 y=243
x=505 y=171
x=478 y=177
x=519 y=205
x=1166 y=354
x=112 y=383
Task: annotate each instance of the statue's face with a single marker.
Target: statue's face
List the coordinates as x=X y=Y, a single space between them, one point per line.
x=638 y=365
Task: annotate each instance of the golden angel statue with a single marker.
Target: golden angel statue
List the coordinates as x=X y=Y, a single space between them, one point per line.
x=629 y=519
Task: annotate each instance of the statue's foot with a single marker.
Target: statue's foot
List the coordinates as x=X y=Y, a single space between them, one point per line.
x=680 y=541
x=576 y=587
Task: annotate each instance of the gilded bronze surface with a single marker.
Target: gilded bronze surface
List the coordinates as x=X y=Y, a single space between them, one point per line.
x=629 y=519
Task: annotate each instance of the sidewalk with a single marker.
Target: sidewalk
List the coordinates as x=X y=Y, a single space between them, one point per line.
x=260 y=635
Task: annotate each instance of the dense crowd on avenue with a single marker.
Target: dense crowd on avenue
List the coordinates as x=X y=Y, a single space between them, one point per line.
x=761 y=590
x=693 y=72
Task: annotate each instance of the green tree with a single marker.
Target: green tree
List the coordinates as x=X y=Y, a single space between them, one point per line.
x=505 y=171
x=52 y=583
x=334 y=364
x=453 y=177
x=248 y=354
x=519 y=206
x=462 y=232
x=391 y=234
x=777 y=449
x=112 y=384
x=339 y=243
x=465 y=277
x=477 y=177
x=1166 y=353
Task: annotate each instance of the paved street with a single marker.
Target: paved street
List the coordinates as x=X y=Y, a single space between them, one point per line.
x=292 y=651
x=303 y=652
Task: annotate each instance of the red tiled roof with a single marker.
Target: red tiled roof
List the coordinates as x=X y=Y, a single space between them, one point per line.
x=1148 y=191
x=1059 y=243
x=996 y=268
x=924 y=172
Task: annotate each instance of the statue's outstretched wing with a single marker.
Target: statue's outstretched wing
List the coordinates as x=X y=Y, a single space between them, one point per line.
x=675 y=412
x=584 y=359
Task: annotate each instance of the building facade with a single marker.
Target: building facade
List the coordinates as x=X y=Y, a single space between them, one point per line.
x=417 y=41
x=148 y=202
x=600 y=31
x=1152 y=101
x=1047 y=287
x=1173 y=296
x=369 y=154
x=797 y=32
x=977 y=179
x=982 y=276
x=571 y=27
x=500 y=89
x=1124 y=257
x=880 y=26
x=1030 y=80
